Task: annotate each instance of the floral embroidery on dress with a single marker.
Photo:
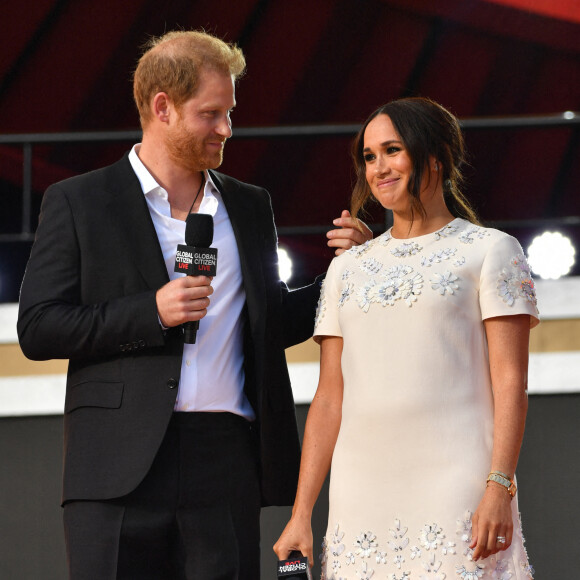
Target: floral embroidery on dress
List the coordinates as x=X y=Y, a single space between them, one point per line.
x=370 y=266
x=444 y=283
x=465 y=574
x=516 y=281
x=364 y=297
x=392 y=285
x=445 y=231
x=358 y=251
x=459 y=262
x=464 y=527
x=365 y=573
x=365 y=544
x=323 y=559
x=431 y=536
x=395 y=285
x=398 y=271
x=406 y=249
x=337 y=547
x=527 y=569
x=321 y=307
x=398 y=560
x=347 y=274
x=408 y=562
x=403 y=577
x=385 y=238
x=448 y=548
x=438 y=256
x=345 y=294
x=525 y=565
x=335 y=565
x=432 y=566
x=501 y=570
x=399 y=542
x=470 y=233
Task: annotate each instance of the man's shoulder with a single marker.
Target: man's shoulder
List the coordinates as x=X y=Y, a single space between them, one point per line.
x=228 y=183
x=115 y=174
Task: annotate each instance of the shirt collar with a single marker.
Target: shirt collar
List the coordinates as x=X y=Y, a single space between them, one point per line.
x=149 y=185
x=147 y=181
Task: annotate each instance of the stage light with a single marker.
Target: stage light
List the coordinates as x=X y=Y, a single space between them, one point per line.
x=284 y=264
x=551 y=255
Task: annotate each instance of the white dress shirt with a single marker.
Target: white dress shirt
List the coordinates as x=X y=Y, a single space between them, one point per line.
x=212 y=373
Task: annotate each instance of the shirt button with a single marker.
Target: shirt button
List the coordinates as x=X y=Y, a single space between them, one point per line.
x=172 y=383
x=188 y=362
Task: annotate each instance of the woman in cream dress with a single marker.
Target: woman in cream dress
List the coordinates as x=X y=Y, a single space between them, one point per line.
x=422 y=396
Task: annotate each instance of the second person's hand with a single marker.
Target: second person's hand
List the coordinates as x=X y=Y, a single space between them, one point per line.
x=347 y=235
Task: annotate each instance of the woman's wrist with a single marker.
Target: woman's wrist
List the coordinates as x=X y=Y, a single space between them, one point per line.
x=502 y=479
x=301 y=513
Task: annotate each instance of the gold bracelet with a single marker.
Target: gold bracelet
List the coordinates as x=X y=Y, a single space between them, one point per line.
x=504 y=481
x=503 y=474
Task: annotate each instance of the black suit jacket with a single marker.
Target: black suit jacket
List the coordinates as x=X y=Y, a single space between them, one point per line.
x=88 y=295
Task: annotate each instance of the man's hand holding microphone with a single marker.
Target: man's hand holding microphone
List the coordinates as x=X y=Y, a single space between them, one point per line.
x=186 y=299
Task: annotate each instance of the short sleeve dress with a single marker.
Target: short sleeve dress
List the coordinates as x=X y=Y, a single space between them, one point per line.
x=414 y=448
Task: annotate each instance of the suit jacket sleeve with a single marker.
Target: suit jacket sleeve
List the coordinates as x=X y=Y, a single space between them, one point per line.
x=299 y=309
x=59 y=316
x=298 y=306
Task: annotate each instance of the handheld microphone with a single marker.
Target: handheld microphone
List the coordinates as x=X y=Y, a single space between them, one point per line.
x=196 y=258
x=295 y=567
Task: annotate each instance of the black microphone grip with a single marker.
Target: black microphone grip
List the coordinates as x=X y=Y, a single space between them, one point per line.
x=190 y=331
x=196 y=258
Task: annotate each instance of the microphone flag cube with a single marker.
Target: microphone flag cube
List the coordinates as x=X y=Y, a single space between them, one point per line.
x=295 y=567
x=196 y=261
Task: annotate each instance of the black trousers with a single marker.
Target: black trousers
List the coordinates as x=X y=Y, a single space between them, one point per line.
x=195 y=516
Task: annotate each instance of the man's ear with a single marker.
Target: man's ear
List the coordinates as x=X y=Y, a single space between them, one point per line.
x=161 y=107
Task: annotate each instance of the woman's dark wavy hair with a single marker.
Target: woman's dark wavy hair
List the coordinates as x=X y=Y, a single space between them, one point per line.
x=427 y=130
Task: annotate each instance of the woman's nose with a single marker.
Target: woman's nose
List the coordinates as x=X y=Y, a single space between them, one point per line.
x=381 y=166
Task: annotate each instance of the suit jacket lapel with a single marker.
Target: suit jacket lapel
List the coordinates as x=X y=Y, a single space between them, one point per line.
x=129 y=207
x=248 y=238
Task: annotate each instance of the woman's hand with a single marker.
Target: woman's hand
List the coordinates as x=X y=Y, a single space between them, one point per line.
x=320 y=433
x=297 y=535
x=492 y=520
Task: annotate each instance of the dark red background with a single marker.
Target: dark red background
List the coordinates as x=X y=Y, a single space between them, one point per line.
x=66 y=66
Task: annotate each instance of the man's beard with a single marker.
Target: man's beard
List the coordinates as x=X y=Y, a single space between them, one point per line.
x=189 y=152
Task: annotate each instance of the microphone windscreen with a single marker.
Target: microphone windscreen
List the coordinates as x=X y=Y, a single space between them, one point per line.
x=199 y=230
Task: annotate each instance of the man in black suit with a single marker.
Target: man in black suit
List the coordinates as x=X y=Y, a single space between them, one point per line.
x=170 y=449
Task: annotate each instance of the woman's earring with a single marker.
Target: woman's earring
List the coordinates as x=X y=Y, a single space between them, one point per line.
x=436 y=166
